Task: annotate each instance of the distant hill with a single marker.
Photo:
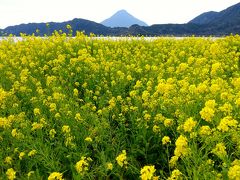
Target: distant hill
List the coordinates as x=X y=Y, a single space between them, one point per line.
x=220 y=23
x=76 y=24
x=122 y=19
x=231 y=15
x=204 y=18
x=210 y=23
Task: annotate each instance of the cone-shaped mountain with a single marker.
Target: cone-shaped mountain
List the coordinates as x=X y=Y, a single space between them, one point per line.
x=122 y=19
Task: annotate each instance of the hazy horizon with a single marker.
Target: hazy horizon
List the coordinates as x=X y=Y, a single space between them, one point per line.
x=151 y=11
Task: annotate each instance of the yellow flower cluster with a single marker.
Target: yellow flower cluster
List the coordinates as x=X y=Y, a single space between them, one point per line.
x=205 y=131
x=11 y=174
x=234 y=172
x=55 y=176
x=32 y=153
x=181 y=146
x=122 y=159
x=147 y=173
x=68 y=137
x=226 y=123
x=189 y=124
x=8 y=160
x=220 y=150
x=109 y=166
x=3 y=96
x=176 y=174
x=166 y=140
x=83 y=165
x=207 y=113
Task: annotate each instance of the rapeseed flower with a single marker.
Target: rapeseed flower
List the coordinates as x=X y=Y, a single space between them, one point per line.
x=147 y=172
x=21 y=155
x=66 y=129
x=156 y=129
x=234 y=172
x=32 y=153
x=168 y=122
x=189 y=124
x=226 y=123
x=205 y=131
x=109 y=166
x=210 y=104
x=4 y=123
x=57 y=115
x=147 y=117
x=122 y=158
x=88 y=139
x=220 y=150
x=181 y=146
x=8 y=160
x=69 y=141
x=36 y=126
x=226 y=108
x=55 y=176
x=53 y=107
x=207 y=113
x=52 y=133
x=138 y=84
x=84 y=85
x=75 y=92
x=11 y=174
x=175 y=175
x=3 y=95
x=112 y=103
x=173 y=161
x=166 y=140
x=36 y=111
x=78 y=117
x=129 y=77
x=145 y=96
x=83 y=165
x=14 y=133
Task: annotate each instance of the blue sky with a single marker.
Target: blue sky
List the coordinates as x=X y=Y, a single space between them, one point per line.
x=151 y=11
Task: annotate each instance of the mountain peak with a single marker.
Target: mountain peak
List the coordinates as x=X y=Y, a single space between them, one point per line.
x=122 y=11
x=122 y=19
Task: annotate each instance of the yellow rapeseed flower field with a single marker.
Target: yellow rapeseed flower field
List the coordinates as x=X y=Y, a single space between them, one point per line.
x=100 y=108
